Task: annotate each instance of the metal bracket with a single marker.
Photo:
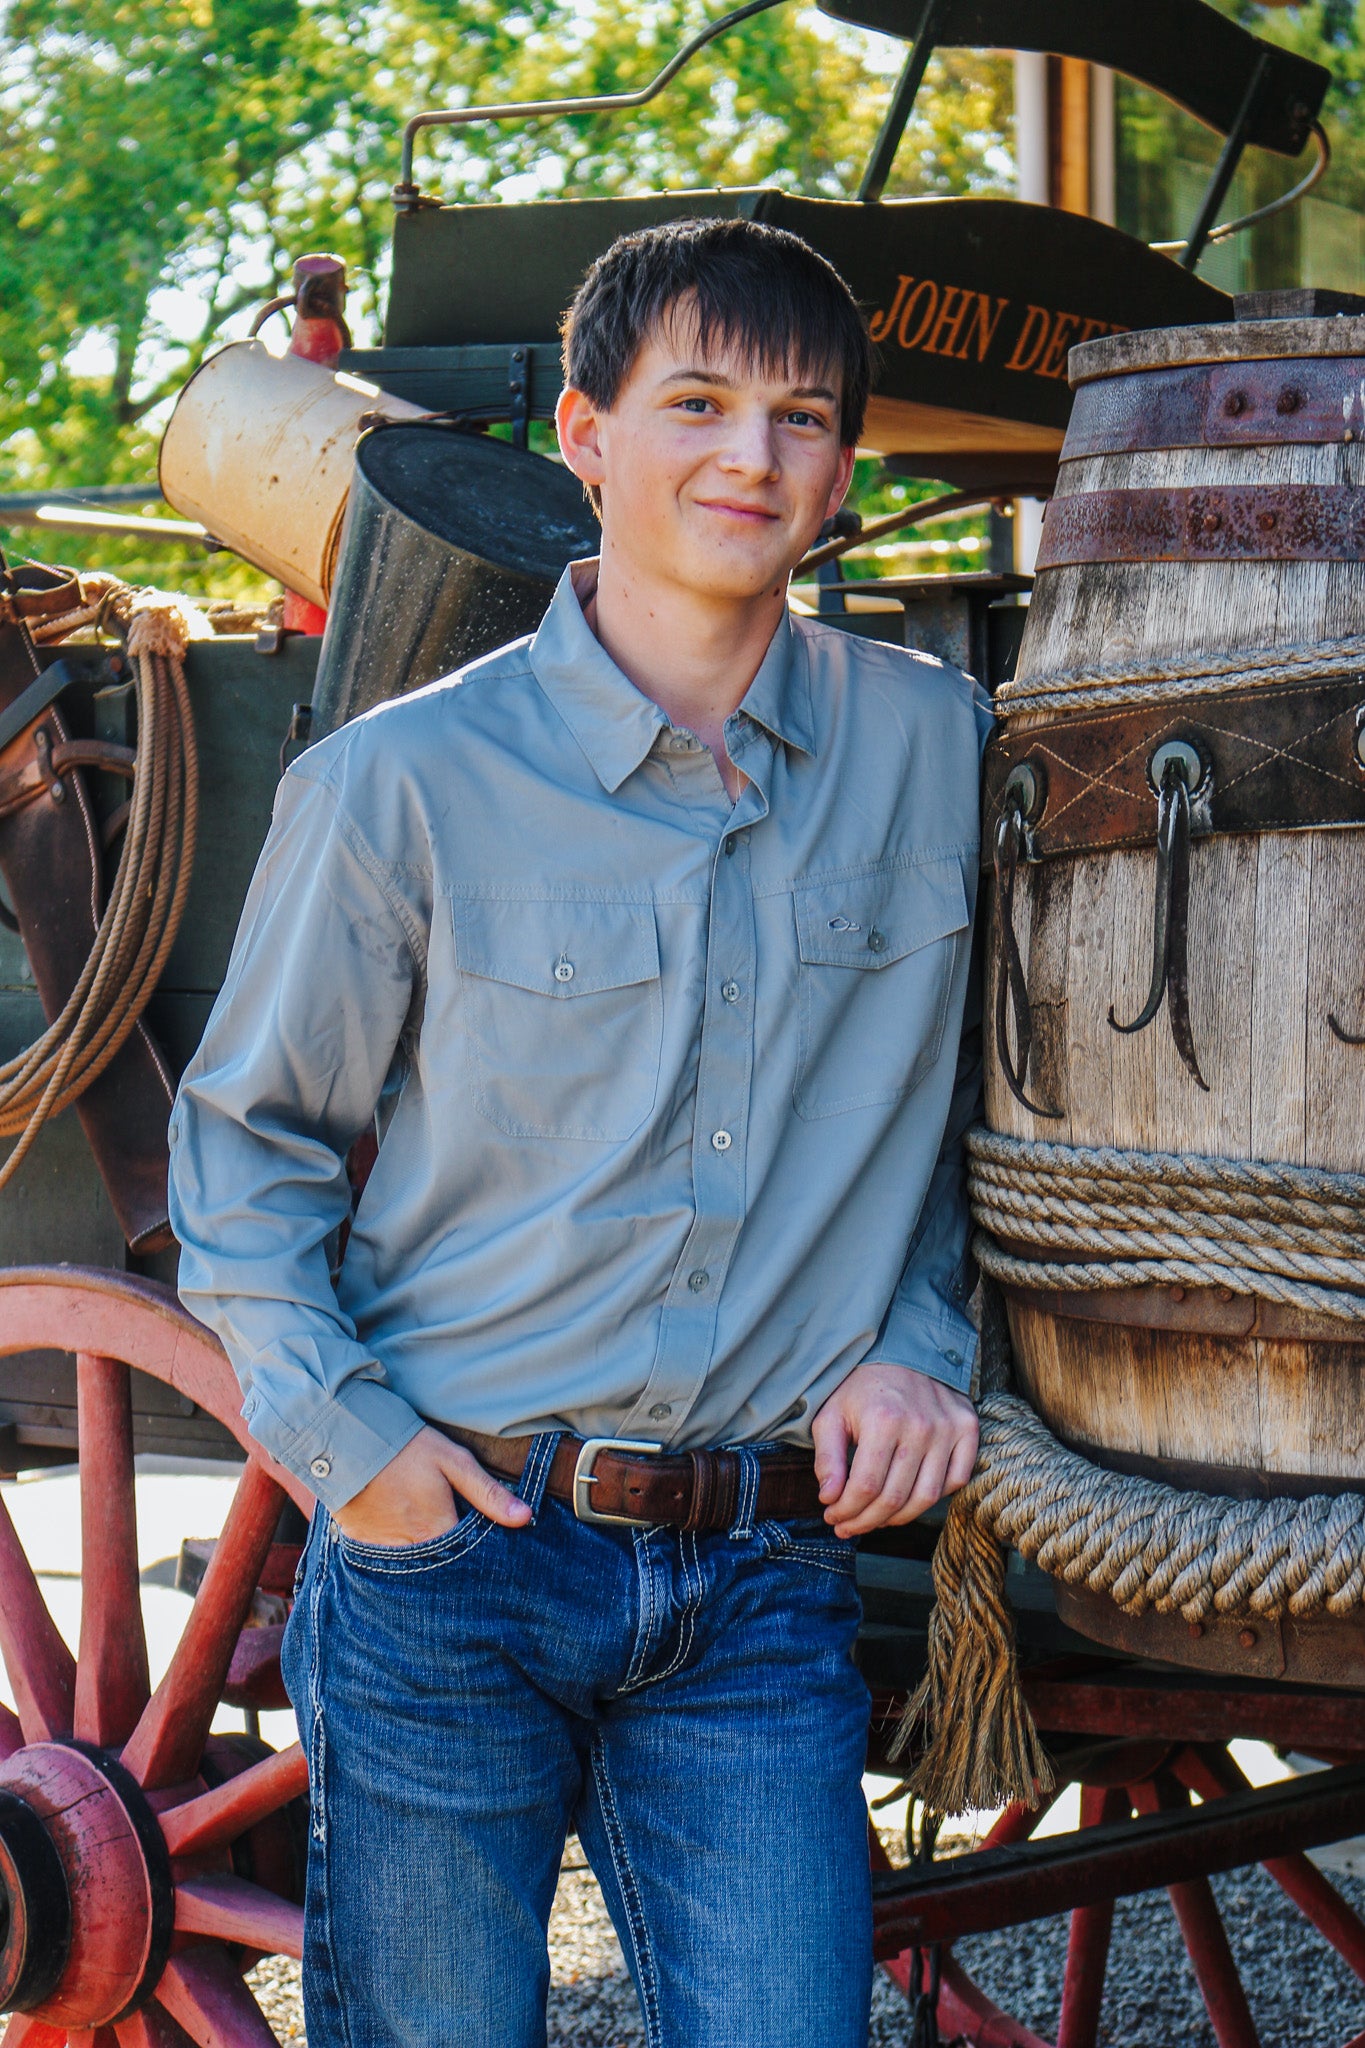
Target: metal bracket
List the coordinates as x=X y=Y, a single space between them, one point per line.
x=519 y=389
x=1225 y=169
x=407 y=196
x=902 y=101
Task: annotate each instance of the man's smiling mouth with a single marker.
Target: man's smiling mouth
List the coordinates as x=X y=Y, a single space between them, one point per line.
x=758 y=514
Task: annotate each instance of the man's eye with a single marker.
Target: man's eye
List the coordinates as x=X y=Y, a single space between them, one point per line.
x=805 y=419
x=695 y=404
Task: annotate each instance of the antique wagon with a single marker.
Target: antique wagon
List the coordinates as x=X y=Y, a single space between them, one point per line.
x=144 y=1862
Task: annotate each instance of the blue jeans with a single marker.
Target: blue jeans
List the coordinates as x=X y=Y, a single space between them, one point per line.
x=687 y=1703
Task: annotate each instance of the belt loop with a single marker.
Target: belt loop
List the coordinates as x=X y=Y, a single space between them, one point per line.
x=535 y=1472
x=742 y=1528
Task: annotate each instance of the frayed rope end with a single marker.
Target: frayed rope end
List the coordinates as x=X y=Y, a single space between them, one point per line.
x=982 y=1749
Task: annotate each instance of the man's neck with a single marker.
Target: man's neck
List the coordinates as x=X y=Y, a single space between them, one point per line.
x=692 y=656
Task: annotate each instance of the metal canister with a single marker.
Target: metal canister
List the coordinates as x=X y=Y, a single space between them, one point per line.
x=260 y=449
x=452 y=546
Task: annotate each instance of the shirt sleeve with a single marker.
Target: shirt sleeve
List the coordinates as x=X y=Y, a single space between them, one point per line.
x=326 y=971
x=927 y=1326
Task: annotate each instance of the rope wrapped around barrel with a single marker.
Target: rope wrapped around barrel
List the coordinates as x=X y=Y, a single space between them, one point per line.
x=1207 y=1222
x=1103 y=1218
x=1203 y=674
x=146 y=902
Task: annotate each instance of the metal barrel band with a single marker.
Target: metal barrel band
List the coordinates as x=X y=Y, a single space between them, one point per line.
x=1283 y=401
x=1213 y=523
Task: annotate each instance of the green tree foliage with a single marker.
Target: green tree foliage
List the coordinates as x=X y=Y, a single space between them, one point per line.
x=167 y=160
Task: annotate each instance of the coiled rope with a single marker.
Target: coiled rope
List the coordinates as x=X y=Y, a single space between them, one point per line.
x=1103 y=1218
x=1202 y=674
x=147 y=900
x=1144 y=1544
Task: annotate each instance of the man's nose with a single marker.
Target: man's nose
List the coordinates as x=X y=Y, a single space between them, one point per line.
x=751 y=446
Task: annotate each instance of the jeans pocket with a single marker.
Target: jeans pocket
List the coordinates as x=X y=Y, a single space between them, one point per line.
x=809 y=1540
x=399 y=1560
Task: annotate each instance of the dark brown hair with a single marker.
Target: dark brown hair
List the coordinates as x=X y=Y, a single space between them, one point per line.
x=758 y=292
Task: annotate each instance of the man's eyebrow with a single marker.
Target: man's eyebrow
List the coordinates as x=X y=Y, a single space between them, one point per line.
x=698 y=376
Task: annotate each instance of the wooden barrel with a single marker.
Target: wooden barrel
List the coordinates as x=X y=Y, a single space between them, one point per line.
x=1211 y=503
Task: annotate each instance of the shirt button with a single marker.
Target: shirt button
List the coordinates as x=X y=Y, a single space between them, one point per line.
x=320 y=1467
x=699 y=1281
x=722 y=1141
x=876 y=940
x=564 y=970
x=730 y=991
x=953 y=1357
x=730 y=843
x=660 y=1412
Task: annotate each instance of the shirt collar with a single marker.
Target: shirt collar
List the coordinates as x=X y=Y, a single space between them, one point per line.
x=615 y=724
x=779 y=695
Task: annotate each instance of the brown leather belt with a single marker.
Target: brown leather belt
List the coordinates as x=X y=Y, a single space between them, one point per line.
x=620 y=1480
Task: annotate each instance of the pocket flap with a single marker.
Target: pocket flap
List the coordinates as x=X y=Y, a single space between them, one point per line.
x=871 y=920
x=557 y=948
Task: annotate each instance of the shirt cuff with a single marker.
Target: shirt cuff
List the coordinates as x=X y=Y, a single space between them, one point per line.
x=355 y=1435
x=942 y=1347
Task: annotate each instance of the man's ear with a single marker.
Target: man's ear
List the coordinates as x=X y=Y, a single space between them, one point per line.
x=842 y=479
x=577 y=425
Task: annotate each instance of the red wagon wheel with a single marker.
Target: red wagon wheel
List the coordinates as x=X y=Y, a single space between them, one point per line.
x=127 y=1832
x=1143 y=1777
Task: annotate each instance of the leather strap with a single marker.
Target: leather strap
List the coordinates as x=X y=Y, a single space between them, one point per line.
x=1281 y=759
x=50 y=857
x=681 y=1490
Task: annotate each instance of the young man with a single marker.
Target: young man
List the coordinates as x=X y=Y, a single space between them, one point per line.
x=647 y=940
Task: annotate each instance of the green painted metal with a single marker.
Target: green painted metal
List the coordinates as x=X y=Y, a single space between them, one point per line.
x=55 y=1210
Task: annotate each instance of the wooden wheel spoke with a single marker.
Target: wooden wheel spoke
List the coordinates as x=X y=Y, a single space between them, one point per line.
x=42 y=1670
x=112 y=1684
x=22 y=2032
x=1089 y=1937
x=1318 y=1899
x=232 y=1909
x=151 y=2027
x=220 y=1816
x=11 y=1733
x=1212 y=1773
x=1204 y=1934
x=1019 y=1821
x=201 y=1990
x=167 y=1743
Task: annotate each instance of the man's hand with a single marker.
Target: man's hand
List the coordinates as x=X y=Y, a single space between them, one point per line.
x=912 y=1440
x=413 y=1498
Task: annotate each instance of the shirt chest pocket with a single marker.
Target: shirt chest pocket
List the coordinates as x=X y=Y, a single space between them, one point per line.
x=563 y=1014
x=875 y=968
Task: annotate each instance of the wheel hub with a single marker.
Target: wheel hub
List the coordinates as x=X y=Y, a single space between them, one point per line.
x=85 y=1887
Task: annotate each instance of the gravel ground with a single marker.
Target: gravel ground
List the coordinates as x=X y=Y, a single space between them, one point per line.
x=1301 y=1995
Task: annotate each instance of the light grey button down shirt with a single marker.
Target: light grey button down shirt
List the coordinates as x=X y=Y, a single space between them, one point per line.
x=663 y=1080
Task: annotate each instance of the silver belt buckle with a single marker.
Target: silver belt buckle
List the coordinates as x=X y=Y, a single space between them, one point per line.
x=584 y=1477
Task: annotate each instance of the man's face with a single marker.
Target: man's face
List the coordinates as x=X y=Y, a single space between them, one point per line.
x=714 y=475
